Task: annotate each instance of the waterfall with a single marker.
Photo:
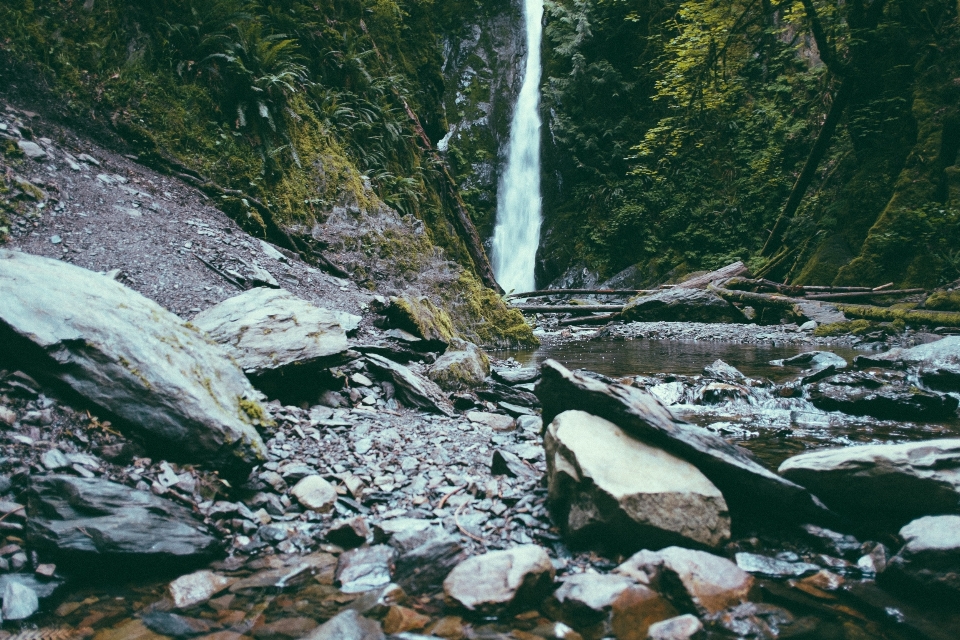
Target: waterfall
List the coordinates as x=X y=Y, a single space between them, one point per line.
x=517 y=232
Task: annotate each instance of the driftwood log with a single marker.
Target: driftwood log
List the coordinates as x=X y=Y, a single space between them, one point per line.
x=568 y=308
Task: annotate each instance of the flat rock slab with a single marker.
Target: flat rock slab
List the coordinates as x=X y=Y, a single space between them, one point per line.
x=347 y=625
x=930 y=558
x=500 y=580
x=606 y=486
x=271 y=332
x=692 y=580
x=681 y=305
x=130 y=357
x=412 y=388
x=862 y=394
x=750 y=490
x=819 y=312
x=522 y=375
x=893 y=482
x=96 y=523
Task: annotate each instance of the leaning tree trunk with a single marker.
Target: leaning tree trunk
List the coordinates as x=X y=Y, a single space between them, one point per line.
x=840 y=101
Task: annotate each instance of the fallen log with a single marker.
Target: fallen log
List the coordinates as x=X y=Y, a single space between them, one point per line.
x=863 y=294
x=570 y=308
x=730 y=271
x=862 y=311
x=603 y=319
x=569 y=292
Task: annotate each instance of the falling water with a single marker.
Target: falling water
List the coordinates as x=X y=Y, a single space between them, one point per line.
x=517 y=234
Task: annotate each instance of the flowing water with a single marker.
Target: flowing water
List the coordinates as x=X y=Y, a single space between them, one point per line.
x=517 y=233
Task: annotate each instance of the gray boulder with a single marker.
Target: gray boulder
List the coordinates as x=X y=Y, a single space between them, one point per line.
x=132 y=358
x=92 y=522
x=930 y=558
x=750 y=490
x=278 y=339
x=937 y=363
x=463 y=368
x=608 y=488
x=892 y=482
x=412 y=388
x=681 y=305
x=813 y=360
x=862 y=394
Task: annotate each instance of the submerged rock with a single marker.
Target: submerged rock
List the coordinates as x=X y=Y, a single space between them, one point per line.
x=131 y=357
x=679 y=628
x=465 y=368
x=773 y=567
x=929 y=561
x=412 y=388
x=692 y=580
x=722 y=371
x=500 y=580
x=273 y=334
x=748 y=489
x=813 y=360
x=608 y=488
x=96 y=523
x=887 y=482
x=681 y=305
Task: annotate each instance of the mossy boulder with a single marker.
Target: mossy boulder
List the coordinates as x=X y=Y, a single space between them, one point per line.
x=421 y=317
x=462 y=367
x=943 y=301
x=483 y=317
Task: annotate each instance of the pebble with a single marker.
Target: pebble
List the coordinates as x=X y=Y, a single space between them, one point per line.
x=678 y=628
x=197 y=588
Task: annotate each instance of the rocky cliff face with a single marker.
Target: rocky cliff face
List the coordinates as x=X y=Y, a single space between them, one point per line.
x=483 y=72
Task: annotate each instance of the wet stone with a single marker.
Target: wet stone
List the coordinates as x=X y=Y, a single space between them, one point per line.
x=19 y=601
x=679 y=628
x=197 y=588
x=930 y=557
x=347 y=625
x=174 y=625
x=773 y=567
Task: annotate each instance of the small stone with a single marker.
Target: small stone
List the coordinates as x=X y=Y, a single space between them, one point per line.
x=363 y=446
x=347 y=625
x=54 y=459
x=495 y=421
x=196 y=588
x=500 y=579
x=809 y=325
x=365 y=568
x=679 y=628
x=401 y=619
x=55 y=239
x=506 y=463
x=46 y=570
x=171 y=624
x=315 y=493
x=362 y=380
x=83 y=157
x=7 y=416
x=348 y=533
x=285 y=628
x=19 y=601
x=32 y=150
x=635 y=609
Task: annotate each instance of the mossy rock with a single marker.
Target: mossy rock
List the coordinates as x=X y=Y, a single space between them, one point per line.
x=420 y=317
x=943 y=301
x=463 y=366
x=856 y=327
x=482 y=316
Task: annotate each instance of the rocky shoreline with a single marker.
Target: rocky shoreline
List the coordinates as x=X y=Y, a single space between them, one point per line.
x=392 y=505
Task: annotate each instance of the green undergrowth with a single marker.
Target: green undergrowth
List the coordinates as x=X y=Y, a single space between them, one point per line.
x=943 y=301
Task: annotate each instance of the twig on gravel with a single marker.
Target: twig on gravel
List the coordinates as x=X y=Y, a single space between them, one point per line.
x=219 y=272
x=444 y=499
x=456 y=520
x=20 y=508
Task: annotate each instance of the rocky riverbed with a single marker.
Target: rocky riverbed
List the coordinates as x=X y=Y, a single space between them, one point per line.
x=324 y=462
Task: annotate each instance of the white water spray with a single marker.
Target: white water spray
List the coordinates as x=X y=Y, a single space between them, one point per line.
x=517 y=233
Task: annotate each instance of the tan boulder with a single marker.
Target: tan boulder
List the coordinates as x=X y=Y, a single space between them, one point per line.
x=607 y=486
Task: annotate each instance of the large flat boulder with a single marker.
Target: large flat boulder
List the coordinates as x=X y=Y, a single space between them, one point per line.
x=92 y=522
x=937 y=363
x=608 y=488
x=929 y=562
x=750 y=490
x=681 y=305
x=891 y=482
x=132 y=358
x=278 y=339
